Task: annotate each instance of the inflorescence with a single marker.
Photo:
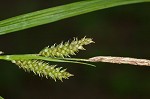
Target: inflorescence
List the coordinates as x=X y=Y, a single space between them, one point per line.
x=62 y=50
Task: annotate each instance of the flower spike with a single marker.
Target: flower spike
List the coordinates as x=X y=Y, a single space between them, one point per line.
x=66 y=49
x=62 y=50
x=43 y=69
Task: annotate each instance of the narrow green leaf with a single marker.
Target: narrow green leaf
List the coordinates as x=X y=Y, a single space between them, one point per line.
x=57 y=13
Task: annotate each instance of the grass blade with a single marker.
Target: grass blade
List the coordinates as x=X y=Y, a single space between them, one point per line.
x=57 y=13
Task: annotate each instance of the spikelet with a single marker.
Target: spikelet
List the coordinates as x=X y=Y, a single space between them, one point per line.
x=43 y=69
x=66 y=49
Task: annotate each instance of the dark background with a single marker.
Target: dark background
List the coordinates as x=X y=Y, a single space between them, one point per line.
x=118 y=31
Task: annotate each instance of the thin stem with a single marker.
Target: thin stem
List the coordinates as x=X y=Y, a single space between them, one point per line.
x=120 y=60
x=75 y=59
x=36 y=56
x=108 y=59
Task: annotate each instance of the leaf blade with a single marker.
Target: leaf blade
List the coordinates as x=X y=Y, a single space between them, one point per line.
x=50 y=15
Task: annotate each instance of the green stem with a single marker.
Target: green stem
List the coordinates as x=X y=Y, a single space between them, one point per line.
x=36 y=56
x=58 y=13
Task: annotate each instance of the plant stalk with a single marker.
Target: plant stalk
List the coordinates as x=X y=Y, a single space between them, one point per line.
x=121 y=60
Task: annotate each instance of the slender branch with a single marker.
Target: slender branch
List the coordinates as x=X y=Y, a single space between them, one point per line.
x=120 y=60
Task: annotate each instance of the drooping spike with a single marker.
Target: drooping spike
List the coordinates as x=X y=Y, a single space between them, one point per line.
x=43 y=69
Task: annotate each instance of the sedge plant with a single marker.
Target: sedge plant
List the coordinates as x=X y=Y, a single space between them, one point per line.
x=39 y=63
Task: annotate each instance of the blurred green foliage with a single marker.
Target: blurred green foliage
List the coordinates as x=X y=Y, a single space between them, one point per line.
x=1 y=97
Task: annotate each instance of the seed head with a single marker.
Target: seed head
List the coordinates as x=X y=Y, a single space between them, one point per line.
x=65 y=49
x=43 y=69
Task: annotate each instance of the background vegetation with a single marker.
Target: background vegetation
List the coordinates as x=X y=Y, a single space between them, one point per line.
x=118 y=31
